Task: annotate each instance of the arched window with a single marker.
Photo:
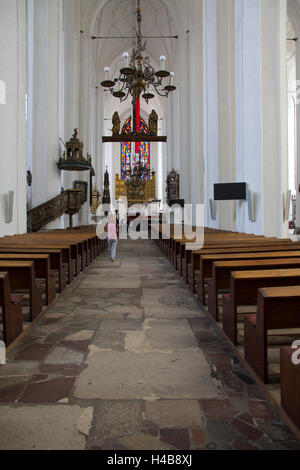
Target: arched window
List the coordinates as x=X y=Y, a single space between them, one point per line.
x=128 y=151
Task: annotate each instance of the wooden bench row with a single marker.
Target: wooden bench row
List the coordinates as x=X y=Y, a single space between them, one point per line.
x=30 y=262
x=247 y=271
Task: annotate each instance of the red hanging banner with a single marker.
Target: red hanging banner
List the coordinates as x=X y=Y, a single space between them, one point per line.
x=137 y=114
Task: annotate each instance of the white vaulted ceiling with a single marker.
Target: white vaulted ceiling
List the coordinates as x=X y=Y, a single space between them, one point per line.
x=118 y=18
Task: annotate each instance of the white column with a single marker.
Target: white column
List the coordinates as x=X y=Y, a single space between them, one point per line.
x=30 y=59
x=248 y=110
x=39 y=98
x=93 y=135
x=196 y=105
x=298 y=136
x=225 y=17
x=71 y=28
x=45 y=94
x=184 y=113
x=175 y=124
x=210 y=106
x=54 y=108
x=274 y=114
x=170 y=131
x=99 y=166
x=12 y=114
x=160 y=180
x=261 y=112
x=85 y=113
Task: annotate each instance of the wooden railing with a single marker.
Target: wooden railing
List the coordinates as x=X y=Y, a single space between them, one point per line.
x=68 y=202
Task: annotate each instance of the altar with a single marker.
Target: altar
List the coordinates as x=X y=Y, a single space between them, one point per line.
x=137 y=190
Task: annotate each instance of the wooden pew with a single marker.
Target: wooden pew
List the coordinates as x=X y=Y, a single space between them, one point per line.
x=222 y=270
x=79 y=250
x=87 y=242
x=44 y=247
x=207 y=260
x=277 y=309
x=11 y=311
x=214 y=240
x=290 y=385
x=84 y=245
x=22 y=276
x=168 y=238
x=191 y=262
x=218 y=236
x=56 y=263
x=91 y=231
x=90 y=248
x=178 y=245
x=86 y=239
x=217 y=239
x=70 y=251
x=96 y=246
x=42 y=270
x=227 y=247
x=243 y=292
x=209 y=235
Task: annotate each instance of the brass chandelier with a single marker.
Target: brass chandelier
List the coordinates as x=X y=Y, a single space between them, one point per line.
x=137 y=77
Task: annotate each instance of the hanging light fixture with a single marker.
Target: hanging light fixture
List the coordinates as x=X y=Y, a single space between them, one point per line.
x=137 y=77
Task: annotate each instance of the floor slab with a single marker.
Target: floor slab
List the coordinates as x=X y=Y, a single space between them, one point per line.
x=41 y=428
x=126 y=375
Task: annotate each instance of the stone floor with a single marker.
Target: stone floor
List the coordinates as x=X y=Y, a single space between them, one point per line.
x=126 y=359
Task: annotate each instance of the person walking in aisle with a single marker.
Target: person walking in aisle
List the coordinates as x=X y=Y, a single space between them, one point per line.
x=112 y=236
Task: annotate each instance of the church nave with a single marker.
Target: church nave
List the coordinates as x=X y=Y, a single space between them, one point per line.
x=126 y=359
x=150 y=226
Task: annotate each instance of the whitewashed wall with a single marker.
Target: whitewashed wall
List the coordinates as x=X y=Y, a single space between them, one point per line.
x=294 y=15
x=245 y=92
x=12 y=114
x=45 y=100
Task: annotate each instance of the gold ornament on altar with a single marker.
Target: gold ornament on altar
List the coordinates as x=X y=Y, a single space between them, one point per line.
x=96 y=201
x=136 y=189
x=135 y=186
x=116 y=124
x=153 y=119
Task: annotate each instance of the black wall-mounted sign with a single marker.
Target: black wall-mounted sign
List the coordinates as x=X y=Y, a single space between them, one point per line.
x=230 y=192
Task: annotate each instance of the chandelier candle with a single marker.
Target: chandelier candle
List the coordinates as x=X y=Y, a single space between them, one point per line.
x=126 y=60
x=107 y=83
x=106 y=71
x=162 y=62
x=172 y=78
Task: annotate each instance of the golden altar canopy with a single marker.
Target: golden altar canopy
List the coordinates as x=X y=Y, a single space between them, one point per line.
x=136 y=190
